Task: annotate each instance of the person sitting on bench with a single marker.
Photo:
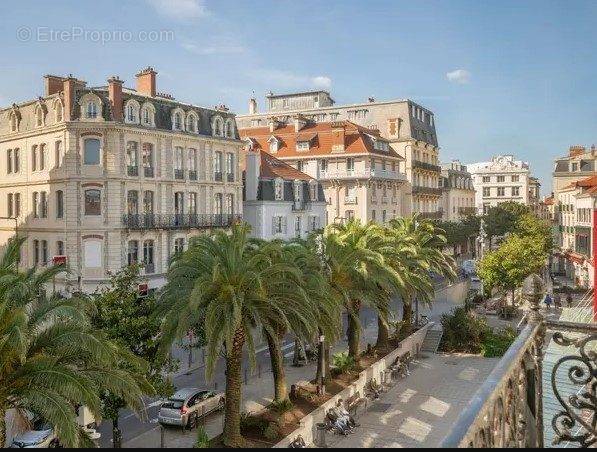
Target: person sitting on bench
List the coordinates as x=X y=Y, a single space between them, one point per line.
x=339 y=422
x=347 y=416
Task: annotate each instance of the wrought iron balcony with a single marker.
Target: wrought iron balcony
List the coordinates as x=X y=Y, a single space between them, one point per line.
x=417 y=164
x=193 y=175
x=361 y=174
x=132 y=171
x=179 y=174
x=179 y=221
x=148 y=171
x=437 y=215
x=230 y=177
x=537 y=394
x=218 y=176
x=430 y=191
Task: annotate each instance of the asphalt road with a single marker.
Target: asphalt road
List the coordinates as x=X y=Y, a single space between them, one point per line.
x=132 y=426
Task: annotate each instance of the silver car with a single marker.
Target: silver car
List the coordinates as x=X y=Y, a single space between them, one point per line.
x=189 y=405
x=41 y=436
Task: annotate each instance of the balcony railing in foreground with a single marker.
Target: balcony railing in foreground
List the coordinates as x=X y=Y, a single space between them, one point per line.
x=179 y=221
x=508 y=410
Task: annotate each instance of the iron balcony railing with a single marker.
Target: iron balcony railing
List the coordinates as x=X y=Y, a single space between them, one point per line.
x=218 y=176
x=179 y=174
x=179 y=221
x=230 y=177
x=417 y=164
x=148 y=171
x=132 y=171
x=437 y=215
x=431 y=191
x=193 y=175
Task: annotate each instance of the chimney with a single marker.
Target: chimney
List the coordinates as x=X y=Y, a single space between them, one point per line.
x=115 y=95
x=252 y=172
x=146 y=82
x=273 y=123
x=338 y=136
x=53 y=84
x=575 y=151
x=299 y=123
x=252 y=106
x=69 y=87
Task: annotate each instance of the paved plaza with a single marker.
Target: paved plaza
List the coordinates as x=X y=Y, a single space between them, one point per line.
x=420 y=410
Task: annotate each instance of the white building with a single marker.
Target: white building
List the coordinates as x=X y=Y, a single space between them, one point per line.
x=503 y=179
x=458 y=197
x=280 y=201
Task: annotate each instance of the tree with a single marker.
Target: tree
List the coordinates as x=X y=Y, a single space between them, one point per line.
x=51 y=359
x=130 y=321
x=507 y=267
x=224 y=280
x=501 y=220
x=529 y=225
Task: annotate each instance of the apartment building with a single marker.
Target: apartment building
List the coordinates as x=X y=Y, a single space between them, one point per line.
x=458 y=193
x=358 y=169
x=503 y=179
x=579 y=164
x=408 y=127
x=577 y=240
x=281 y=202
x=102 y=177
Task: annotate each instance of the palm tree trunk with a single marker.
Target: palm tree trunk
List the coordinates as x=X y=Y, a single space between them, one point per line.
x=116 y=434
x=234 y=359
x=383 y=333
x=328 y=362
x=2 y=428
x=407 y=315
x=354 y=336
x=277 y=360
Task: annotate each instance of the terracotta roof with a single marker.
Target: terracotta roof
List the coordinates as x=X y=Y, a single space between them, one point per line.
x=549 y=201
x=273 y=168
x=357 y=139
x=583 y=183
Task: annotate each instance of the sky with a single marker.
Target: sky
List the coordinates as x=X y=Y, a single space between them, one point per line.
x=502 y=77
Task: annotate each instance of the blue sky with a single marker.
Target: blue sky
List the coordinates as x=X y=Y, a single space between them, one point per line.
x=501 y=76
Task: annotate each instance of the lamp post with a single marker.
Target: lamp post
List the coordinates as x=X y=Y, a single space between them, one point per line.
x=321 y=382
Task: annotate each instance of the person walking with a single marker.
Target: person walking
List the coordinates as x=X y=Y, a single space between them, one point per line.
x=557 y=301
x=569 y=300
x=548 y=301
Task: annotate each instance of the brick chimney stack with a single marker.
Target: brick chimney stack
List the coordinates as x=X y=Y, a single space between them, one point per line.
x=577 y=150
x=146 y=82
x=53 y=84
x=115 y=96
x=69 y=87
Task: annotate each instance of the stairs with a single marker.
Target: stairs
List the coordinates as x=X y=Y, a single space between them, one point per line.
x=432 y=340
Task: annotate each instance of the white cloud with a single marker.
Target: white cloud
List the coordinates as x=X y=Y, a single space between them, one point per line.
x=224 y=49
x=180 y=9
x=460 y=76
x=285 y=79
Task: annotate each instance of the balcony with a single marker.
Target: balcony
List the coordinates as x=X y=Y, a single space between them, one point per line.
x=148 y=171
x=193 y=175
x=542 y=392
x=179 y=174
x=417 y=164
x=429 y=191
x=218 y=176
x=437 y=215
x=230 y=177
x=132 y=171
x=178 y=221
x=361 y=174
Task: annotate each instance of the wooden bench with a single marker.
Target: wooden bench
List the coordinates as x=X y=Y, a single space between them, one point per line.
x=354 y=403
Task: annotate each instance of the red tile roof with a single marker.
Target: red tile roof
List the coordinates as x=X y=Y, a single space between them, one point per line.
x=584 y=183
x=357 y=139
x=272 y=168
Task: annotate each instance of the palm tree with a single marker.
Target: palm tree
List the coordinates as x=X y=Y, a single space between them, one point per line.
x=426 y=243
x=51 y=360
x=358 y=273
x=229 y=284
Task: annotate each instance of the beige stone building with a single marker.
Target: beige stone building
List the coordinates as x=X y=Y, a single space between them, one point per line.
x=458 y=198
x=361 y=174
x=408 y=127
x=579 y=164
x=108 y=176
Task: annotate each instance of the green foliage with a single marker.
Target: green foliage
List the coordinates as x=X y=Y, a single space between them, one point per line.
x=250 y=423
x=282 y=406
x=52 y=359
x=272 y=432
x=202 y=441
x=496 y=344
x=343 y=363
x=529 y=225
x=464 y=331
x=501 y=220
x=459 y=232
x=130 y=321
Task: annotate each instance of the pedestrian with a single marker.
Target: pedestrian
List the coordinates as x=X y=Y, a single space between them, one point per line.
x=557 y=301
x=569 y=300
x=548 y=301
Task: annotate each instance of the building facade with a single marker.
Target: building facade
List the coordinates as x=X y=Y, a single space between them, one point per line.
x=358 y=169
x=579 y=164
x=109 y=176
x=408 y=127
x=458 y=194
x=503 y=179
x=281 y=202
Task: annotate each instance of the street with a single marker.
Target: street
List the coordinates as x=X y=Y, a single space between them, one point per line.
x=132 y=427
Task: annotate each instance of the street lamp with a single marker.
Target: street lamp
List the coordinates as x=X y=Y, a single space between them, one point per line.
x=321 y=382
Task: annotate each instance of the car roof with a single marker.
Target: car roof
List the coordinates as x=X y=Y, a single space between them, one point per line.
x=185 y=393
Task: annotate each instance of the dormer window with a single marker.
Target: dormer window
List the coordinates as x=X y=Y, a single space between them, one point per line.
x=192 y=123
x=148 y=115
x=14 y=122
x=229 y=128
x=274 y=144
x=91 y=110
x=218 y=126
x=303 y=146
x=178 y=121
x=39 y=116
x=132 y=112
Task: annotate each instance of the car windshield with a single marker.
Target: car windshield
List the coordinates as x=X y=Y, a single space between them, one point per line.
x=174 y=404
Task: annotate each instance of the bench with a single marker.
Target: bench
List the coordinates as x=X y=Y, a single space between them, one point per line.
x=401 y=366
x=354 y=403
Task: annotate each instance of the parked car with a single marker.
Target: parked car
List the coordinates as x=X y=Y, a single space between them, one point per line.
x=40 y=436
x=188 y=405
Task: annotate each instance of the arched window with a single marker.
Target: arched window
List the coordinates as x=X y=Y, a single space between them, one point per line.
x=192 y=123
x=148 y=115
x=14 y=122
x=91 y=110
x=218 y=126
x=58 y=154
x=39 y=116
x=59 y=111
x=59 y=204
x=230 y=128
x=91 y=151
x=93 y=202
x=178 y=120
x=132 y=112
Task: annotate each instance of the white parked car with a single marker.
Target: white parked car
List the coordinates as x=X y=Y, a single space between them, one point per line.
x=41 y=436
x=187 y=406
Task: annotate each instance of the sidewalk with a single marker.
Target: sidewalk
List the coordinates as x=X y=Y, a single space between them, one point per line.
x=421 y=410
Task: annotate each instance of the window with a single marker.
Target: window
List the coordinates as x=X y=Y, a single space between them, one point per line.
x=230 y=128
x=230 y=167
x=10 y=205
x=192 y=164
x=501 y=191
x=279 y=189
x=193 y=203
x=59 y=204
x=93 y=202
x=36 y=253
x=179 y=203
x=91 y=151
x=132 y=201
x=303 y=146
x=147 y=115
x=60 y=250
x=273 y=145
x=192 y=123
x=177 y=121
x=131 y=114
x=148 y=257
x=501 y=178
x=39 y=117
x=44 y=252
x=350 y=165
x=323 y=166
x=9 y=161
x=178 y=246
x=148 y=202
x=218 y=166
x=148 y=160
x=298 y=227
x=486 y=179
x=34 y=158
x=17 y=161
x=300 y=165
x=486 y=192
x=42 y=157
x=35 y=205
x=230 y=204
x=133 y=252
x=218 y=127
x=219 y=204
x=515 y=191
x=179 y=163
x=515 y=178
x=91 y=110
x=278 y=225
x=17 y=205
x=58 y=154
